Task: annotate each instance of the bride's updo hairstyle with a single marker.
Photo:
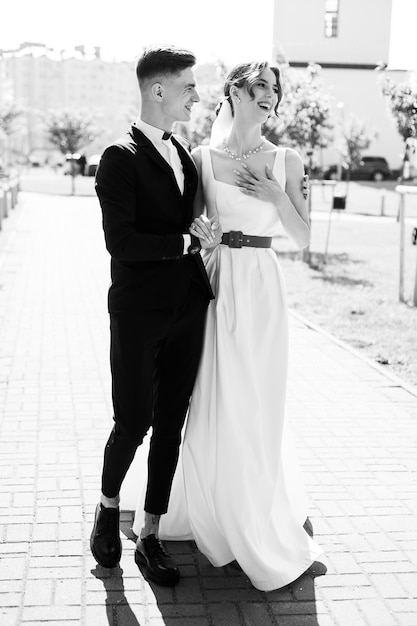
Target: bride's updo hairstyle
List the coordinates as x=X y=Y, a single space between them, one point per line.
x=245 y=75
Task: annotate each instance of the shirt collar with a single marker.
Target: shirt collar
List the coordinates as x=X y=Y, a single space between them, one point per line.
x=151 y=132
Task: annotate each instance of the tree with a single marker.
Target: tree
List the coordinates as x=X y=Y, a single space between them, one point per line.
x=10 y=114
x=305 y=121
x=402 y=101
x=305 y=117
x=70 y=132
x=197 y=130
x=356 y=139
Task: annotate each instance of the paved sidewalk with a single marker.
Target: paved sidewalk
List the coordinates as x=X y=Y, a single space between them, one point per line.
x=357 y=433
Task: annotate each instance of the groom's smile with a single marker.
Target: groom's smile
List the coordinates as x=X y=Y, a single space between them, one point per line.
x=179 y=96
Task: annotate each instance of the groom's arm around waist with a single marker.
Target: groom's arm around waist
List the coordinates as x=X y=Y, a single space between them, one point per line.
x=119 y=195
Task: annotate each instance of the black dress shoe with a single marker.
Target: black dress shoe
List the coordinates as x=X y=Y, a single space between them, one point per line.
x=105 y=541
x=155 y=563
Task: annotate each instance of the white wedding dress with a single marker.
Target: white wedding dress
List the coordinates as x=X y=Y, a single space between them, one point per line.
x=237 y=490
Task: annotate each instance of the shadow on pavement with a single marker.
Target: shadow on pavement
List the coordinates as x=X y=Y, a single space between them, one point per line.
x=209 y=595
x=112 y=580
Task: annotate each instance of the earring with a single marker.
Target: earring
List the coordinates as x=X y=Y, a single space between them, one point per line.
x=238 y=100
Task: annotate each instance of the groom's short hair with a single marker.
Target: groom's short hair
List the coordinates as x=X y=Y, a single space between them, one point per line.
x=161 y=61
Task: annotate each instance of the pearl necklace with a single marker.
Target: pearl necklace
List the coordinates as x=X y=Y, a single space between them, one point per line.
x=245 y=155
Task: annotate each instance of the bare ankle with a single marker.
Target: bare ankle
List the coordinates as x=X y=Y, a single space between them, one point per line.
x=110 y=503
x=151 y=526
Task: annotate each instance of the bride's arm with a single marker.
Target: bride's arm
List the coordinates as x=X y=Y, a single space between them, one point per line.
x=198 y=207
x=295 y=222
x=205 y=224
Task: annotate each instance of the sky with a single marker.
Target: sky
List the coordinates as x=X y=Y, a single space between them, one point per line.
x=403 y=35
x=231 y=30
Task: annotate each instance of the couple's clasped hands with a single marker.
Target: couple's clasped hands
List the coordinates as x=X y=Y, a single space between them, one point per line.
x=208 y=230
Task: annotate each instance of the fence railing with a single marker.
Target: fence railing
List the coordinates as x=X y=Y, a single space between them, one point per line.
x=403 y=191
x=9 y=191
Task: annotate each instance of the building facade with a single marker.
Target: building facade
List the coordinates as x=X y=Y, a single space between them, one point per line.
x=42 y=79
x=349 y=39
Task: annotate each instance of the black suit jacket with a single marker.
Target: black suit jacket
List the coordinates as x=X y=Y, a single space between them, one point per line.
x=144 y=217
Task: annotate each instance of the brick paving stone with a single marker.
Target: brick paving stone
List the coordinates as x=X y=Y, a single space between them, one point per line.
x=297 y=608
x=10 y=599
x=345 y=563
x=376 y=612
x=341 y=580
x=305 y=620
x=177 y=610
x=46 y=613
x=355 y=432
x=9 y=616
x=232 y=595
x=408 y=605
x=256 y=613
x=45 y=532
x=300 y=592
x=232 y=582
x=381 y=542
x=159 y=595
x=408 y=582
x=189 y=591
x=372 y=557
x=67 y=622
x=102 y=614
x=70 y=531
x=349 y=593
x=179 y=621
x=285 y=594
x=406 y=619
x=43 y=548
x=70 y=548
x=392 y=586
x=38 y=592
x=132 y=615
x=12 y=568
x=346 y=613
x=225 y=614
x=389 y=567
x=54 y=573
x=17 y=547
x=10 y=586
x=68 y=592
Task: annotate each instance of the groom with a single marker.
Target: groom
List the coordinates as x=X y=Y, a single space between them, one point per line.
x=159 y=293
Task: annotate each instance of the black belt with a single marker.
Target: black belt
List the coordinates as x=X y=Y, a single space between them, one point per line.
x=236 y=239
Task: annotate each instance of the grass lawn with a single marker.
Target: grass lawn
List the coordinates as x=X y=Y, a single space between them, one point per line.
x=354 y=295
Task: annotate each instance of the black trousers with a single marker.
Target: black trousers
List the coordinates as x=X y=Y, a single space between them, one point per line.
x=154 y=357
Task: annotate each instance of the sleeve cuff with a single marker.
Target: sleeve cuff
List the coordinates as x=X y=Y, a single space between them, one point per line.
x=187 y=243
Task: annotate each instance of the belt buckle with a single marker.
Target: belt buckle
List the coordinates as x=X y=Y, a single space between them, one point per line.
x=235 y=239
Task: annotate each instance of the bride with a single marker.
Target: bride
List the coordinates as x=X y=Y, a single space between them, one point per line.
x=237 y=490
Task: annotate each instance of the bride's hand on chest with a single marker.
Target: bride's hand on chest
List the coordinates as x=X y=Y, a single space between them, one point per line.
x=254 y=183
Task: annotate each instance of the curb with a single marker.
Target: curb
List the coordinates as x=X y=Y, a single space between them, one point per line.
x=399 y=382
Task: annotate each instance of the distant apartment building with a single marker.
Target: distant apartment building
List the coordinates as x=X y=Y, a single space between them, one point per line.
x=40 y=79
x=349 y=39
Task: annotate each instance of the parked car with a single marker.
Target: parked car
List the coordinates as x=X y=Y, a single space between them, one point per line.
x=370 y=168
x=92 y=164
x=71 y=164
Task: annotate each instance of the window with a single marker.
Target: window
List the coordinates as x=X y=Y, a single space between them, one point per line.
x=331 y=18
